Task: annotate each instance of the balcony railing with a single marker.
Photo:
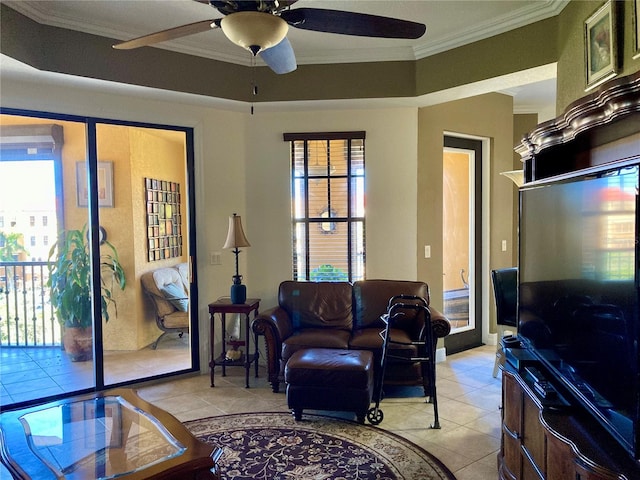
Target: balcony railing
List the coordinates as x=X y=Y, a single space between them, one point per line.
x=26 y=314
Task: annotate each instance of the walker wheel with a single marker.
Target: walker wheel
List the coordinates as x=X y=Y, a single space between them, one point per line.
x=375 y=416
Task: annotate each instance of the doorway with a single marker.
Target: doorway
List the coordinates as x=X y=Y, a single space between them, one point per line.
x=462 y=236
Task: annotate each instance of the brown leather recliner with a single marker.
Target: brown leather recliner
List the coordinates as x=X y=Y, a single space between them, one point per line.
x=340 y=315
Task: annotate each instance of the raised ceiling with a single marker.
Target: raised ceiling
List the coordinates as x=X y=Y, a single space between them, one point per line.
x=449 y=24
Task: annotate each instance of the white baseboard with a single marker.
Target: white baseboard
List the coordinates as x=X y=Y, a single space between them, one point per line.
x=492 y=339
x=441 y=354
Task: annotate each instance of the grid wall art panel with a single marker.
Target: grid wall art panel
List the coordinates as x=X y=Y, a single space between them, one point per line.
x=164 y=219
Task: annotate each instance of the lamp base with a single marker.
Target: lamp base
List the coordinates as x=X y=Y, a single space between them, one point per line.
x=238 y=293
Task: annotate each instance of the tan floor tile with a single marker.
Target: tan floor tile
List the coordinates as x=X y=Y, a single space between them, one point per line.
x=459 y=412
x=477 y=471
x=204 y=412
x=490 y=424
x=453 y=460
x=181 y=403
x=471 y=443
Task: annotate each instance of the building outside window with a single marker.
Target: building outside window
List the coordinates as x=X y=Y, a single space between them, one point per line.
x=328 y=206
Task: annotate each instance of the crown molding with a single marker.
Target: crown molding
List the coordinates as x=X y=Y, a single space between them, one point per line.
x=527 y=15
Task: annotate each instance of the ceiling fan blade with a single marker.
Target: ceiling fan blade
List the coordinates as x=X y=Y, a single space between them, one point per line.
x=280 y=58
x=169 y=34
x=352 y=23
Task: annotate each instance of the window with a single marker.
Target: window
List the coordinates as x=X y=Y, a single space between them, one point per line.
x=32 y=241
x=1 y=221
x=328 y=206
x=32 y=221
x=45 y=240
x=45 y=221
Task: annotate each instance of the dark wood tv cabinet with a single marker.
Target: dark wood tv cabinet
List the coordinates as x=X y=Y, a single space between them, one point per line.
x=545 y=439
x=551 y=441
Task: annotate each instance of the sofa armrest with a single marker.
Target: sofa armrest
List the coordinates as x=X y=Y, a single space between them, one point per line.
x=275 y=325
x=440 y=324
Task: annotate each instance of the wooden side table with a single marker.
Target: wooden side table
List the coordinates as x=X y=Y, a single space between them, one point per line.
x=223 y=306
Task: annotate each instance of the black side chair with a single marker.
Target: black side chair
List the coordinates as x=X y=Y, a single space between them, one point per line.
x=505 y=289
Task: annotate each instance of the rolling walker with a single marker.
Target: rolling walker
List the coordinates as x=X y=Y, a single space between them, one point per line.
x=396 y=310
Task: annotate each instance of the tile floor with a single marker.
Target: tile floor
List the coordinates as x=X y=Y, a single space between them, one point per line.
x=30 y=372
x=468 y=401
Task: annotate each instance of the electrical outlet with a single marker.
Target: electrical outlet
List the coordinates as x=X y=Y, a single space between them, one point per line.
x=427 y=251
x=504 y=245
x=215 y=258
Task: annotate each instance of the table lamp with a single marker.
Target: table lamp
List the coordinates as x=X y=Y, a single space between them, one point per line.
x=235 y=239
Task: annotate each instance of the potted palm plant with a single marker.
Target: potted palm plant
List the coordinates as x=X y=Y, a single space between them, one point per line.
x=70 y=283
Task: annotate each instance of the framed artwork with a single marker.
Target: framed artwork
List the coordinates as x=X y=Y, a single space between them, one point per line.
x=105 y=184
x=164 y=219
x=636 y=29
x=600 y=46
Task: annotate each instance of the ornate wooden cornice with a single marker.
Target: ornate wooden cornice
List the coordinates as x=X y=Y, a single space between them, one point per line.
x=611 y=102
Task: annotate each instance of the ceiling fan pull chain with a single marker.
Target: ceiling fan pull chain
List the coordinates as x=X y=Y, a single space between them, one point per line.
x=254 y=86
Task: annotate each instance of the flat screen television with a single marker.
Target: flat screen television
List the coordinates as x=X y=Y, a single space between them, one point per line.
x=578 y=296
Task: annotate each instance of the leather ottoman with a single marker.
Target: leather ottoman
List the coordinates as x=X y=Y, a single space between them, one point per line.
x=330 y=379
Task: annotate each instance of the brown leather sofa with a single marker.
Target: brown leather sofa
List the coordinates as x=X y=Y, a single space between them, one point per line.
x=340 y=315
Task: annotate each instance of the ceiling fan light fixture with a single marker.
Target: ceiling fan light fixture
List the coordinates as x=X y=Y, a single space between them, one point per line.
x=255 y=31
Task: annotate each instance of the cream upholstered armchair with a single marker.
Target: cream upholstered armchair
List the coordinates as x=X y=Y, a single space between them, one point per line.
x=168 y=289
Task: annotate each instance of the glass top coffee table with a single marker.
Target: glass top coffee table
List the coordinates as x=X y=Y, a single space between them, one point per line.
x=111 y=434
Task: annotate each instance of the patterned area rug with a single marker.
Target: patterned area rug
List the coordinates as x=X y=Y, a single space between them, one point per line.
x=273 y=446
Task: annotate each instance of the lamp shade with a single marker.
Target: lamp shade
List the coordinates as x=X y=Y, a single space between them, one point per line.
x=236 y=237
x=255 y=31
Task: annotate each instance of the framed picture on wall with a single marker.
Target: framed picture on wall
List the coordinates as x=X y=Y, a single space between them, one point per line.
x=105 y=184
x=600 y=46
x=636 y=29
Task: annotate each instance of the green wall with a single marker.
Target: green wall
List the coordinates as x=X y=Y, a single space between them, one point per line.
x=571 y=47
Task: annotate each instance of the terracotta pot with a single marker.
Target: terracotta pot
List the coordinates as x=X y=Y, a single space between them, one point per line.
x=78 y=343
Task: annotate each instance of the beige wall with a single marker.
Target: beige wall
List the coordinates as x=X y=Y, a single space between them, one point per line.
x=487 y=116
x=390 y=150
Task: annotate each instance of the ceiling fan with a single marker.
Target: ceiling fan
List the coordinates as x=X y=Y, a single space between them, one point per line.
x=261 y=27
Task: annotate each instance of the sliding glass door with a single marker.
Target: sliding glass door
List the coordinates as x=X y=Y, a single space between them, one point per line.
x=115 y=202
x=143 y=212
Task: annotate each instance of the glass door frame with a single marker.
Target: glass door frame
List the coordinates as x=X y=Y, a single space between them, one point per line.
x=467 y=338
x=91 y=124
